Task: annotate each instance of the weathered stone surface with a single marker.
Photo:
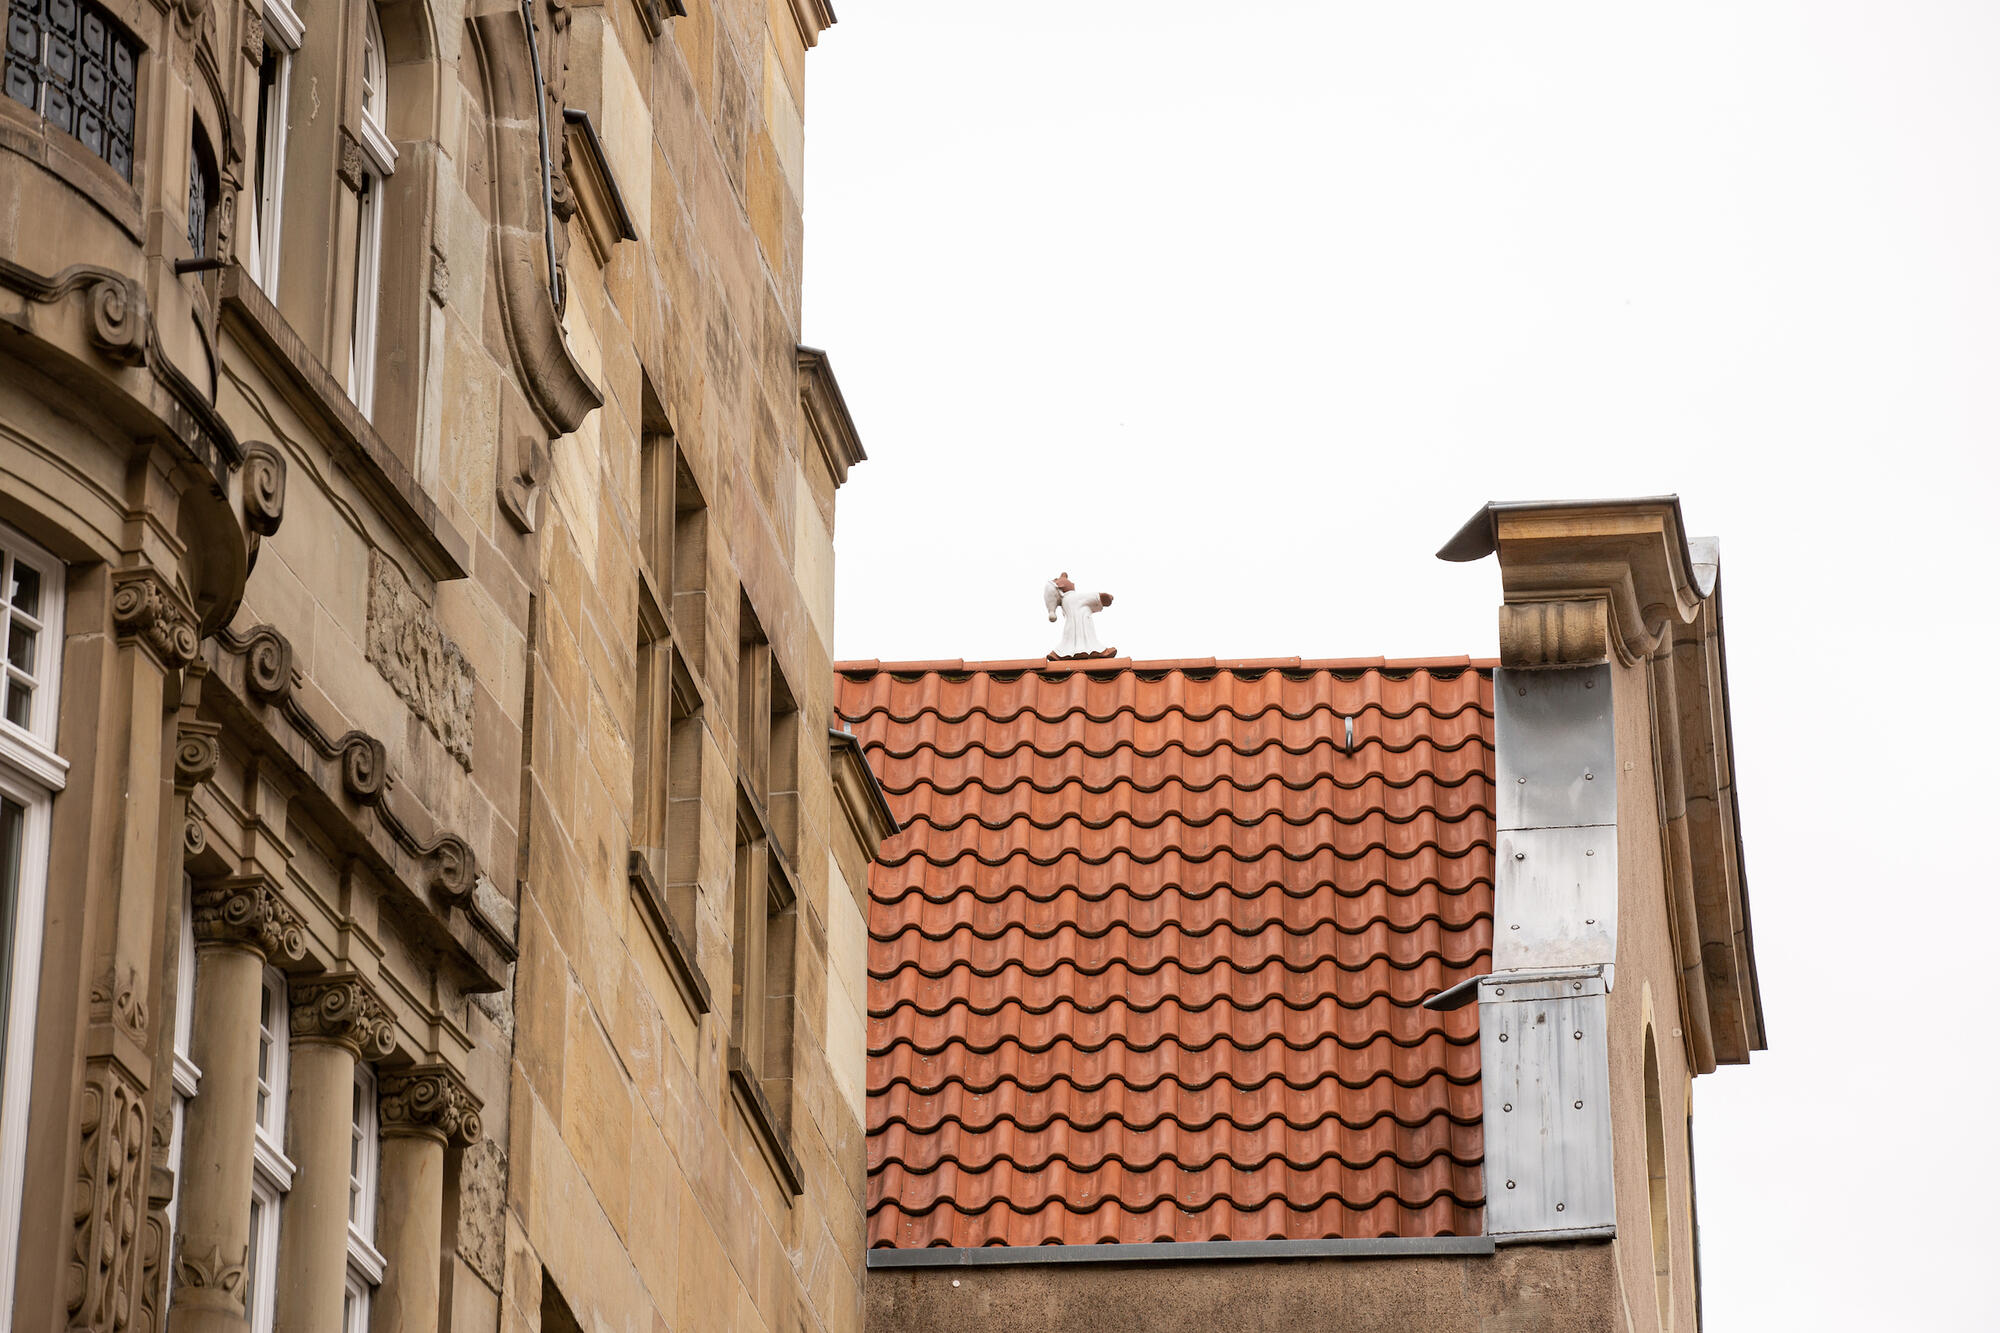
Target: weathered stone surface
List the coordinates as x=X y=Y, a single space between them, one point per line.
x=482 y=1205
x=426 y=669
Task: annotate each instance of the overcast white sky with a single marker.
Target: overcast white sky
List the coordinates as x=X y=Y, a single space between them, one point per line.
x=1238 y=310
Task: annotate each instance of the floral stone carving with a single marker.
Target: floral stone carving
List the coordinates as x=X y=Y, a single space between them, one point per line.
x=426 y=669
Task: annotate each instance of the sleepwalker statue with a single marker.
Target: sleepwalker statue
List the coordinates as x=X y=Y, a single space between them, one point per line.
x=1079 y=637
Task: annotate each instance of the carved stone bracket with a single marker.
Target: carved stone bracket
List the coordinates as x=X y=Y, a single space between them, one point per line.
x=250 y=913
x=522 y=469
x=364 y=767
x=146 y=611
x=453 y=868
x=196 y=753
x=430 y=1101
x=263 y=488
x=1555 y=634
x=343 y=1009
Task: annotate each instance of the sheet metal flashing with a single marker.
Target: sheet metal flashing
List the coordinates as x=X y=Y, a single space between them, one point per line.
x=1183 y=1252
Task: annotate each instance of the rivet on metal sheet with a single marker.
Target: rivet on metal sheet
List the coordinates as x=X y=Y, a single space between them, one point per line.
x=1522 y=690
x=1520 y=856
x=1510 y=1184
x=1515 y=926
x=1590 y=684
x=1507 y=1106
x=1522 y=781
x=1578 y=985
x=1499 y=990
x=1588 y=921
x=1579 y=1106
x=1503 y=1036
x=1590 y=851
x=1559 y=1208
x=1578 y=1035
x=1589 y=776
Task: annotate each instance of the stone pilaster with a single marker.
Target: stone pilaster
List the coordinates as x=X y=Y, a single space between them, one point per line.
x=239 y=924
x=423 y=1112
x=336 y=1020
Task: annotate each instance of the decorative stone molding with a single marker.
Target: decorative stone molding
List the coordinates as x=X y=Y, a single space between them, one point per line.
x=263 y=488
x=430 y=1101
x=1552 y=634
x=350 y=171
x=826 y=414
x=482 y=1211
x=249 y=913
x=364 y=767
x=343 y=1010
x=108 y=1268
x=119 y=1003
x=210 y=1270
x=812 y=17
x=253 y=34
x=522 y=469
x=525 y=249
x=144 y=609
x=119 y=326
x=454 y=870
x=267 y=665
x=197 y=750
x=194 y=835
x=425 y=668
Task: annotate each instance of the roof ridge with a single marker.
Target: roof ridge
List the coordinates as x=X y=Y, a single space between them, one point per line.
x=943 y=665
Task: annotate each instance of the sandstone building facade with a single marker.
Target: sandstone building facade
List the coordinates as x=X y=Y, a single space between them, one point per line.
x=433 y=880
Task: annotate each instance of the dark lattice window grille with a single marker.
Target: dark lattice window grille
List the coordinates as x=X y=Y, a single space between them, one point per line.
x=198 y=191
x=75 y=66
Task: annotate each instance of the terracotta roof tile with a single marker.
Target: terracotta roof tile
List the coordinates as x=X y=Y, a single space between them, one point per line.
x=1145 y=961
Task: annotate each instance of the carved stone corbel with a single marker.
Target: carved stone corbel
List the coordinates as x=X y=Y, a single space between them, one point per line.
x=118 y=320
x=430 y=1101
x=146 y=611
x=268 y=672
x=263 y=488
x=364 y=767
x=249 y=913
x=453 y=869
x=522 y=469
x=344 y=1010
x=196 y=752
x=1555 y=634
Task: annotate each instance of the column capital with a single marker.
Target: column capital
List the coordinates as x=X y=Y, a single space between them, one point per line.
x=249 y=913
x=343 y=1010
x=429 y=1101
x=146 y=609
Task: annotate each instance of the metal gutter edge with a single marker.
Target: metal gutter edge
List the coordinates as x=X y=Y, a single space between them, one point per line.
x=1552 y=1237
x=1180 y=1252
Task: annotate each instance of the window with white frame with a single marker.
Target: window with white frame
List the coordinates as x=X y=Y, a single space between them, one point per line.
x=283 y=35
x=186 y=1076
x=271 y=1176
x=31 y=773
x=380 y=157
x=365 y=1264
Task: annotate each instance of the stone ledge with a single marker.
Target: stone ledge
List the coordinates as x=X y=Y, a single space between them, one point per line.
x=361 y=453
x=748 y=1091
x=676 y=947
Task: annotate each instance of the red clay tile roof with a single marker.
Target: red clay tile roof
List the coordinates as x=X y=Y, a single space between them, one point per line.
x=1145 y=961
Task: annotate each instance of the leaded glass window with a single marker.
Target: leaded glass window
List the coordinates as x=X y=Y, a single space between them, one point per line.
x=76 y=67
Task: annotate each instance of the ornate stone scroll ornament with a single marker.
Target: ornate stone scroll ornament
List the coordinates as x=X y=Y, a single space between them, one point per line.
x=1079 y=637
x=263 y=488
x=145 y=610
x=249 y=912
x=454 y=870
x=268 y=672
x=343 y=1009
x=364 y=767
x=118 y=322
x=431 y=1101
x=197 y=751
x=104 y=1277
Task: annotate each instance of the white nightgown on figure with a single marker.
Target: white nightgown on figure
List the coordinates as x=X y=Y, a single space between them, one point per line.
x=1079 y=635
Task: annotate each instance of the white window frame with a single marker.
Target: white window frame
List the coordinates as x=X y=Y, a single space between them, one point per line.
x=186 y=1074
x=284 y=33
x=381 y=164
x=365 y=1264
x=271 y=1171
x=31 y=774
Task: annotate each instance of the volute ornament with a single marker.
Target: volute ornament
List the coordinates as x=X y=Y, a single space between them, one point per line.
x=267 y=665
x=118 y=319
x=343 y=1009
x=364 y=767
x=249 y=912
x=263 y=488
x=454 y=870
x=197 y=751
x=429 y=1101
x=145 y=610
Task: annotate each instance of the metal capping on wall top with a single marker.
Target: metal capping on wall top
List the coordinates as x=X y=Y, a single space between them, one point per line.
x=1544 y=1055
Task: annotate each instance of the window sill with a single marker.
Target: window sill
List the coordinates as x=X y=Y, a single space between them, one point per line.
x=362 y=454
x=775 y=1143
x=675 y=946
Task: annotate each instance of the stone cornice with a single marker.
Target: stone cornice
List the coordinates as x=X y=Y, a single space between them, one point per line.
x=429 y=1101
x=859 y=793
x=344 y=1010
x=812 y=17
x=249 y=913
x=826 y=414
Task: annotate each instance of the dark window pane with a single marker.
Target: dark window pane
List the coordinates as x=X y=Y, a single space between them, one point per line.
x=13 y=839
x=72 y=62
x=26 y=594
x=21 y=647
x=19 y=696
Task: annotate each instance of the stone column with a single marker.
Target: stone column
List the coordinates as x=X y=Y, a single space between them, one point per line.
x=238 y=925
x=336 y=1020
x=423 y=1111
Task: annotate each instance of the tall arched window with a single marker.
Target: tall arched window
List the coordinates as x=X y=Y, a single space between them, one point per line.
x=381 y=161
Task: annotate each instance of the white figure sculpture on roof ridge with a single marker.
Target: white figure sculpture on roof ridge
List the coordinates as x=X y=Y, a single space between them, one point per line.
x=1079 y=636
